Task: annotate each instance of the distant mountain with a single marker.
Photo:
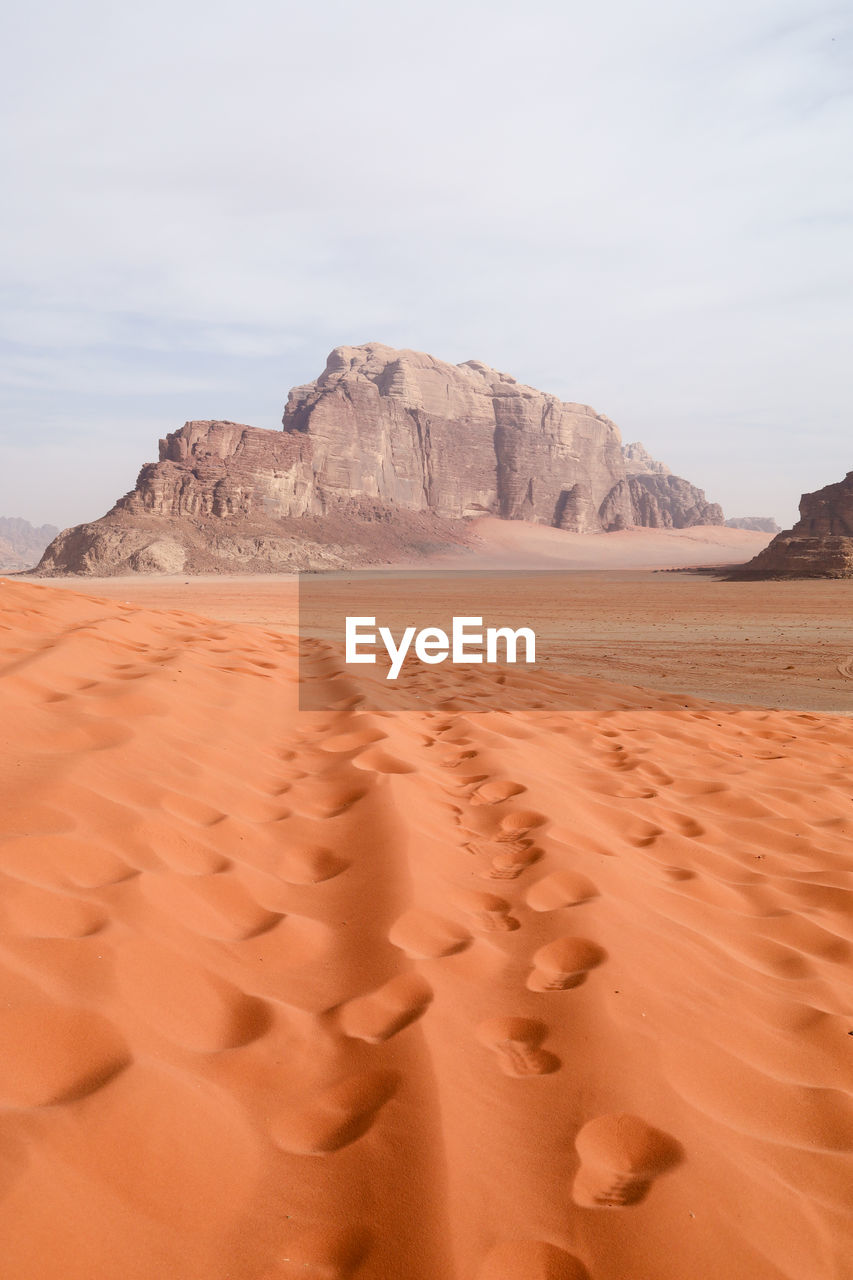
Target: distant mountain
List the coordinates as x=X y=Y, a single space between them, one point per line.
x=756 y=524
x=22 y=544
x=386 y=453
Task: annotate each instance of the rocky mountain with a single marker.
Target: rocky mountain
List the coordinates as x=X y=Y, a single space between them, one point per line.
x=820 y=545
x=22 y=544
x=386 y=452
x=658 y=502
x=756 y=524
x=639 y=462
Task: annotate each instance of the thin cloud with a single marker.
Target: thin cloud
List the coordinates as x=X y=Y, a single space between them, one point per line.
x=640 y=208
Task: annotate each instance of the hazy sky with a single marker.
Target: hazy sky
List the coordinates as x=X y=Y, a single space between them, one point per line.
x=644 y=207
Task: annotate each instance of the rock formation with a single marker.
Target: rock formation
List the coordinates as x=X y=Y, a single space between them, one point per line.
x=820 y=545
x=639 y=462
x=658 y=502
x=755 y=524
x=21 y=544
x=396 y=440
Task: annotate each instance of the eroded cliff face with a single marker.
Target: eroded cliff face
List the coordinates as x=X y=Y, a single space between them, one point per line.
x=404 y=429
x=820 y=545
x=381 y=433
x=659 y=501
x=225 y=469
x=458 y=440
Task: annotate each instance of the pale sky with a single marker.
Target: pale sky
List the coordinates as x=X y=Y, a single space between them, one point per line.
x=647 y=208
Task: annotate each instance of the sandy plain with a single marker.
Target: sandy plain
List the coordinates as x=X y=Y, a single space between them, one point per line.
x=773 y=644
x=473 y=992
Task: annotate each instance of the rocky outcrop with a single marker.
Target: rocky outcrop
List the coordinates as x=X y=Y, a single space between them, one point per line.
x=820 y=545
x=399 y=428
x=347 y=536
x=659 y=502
x=21 y=544
x=658 y=499
x=755 y=524
x=639 y=462
x=380 y=437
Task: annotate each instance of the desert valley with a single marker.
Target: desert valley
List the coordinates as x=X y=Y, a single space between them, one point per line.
x=536 y=975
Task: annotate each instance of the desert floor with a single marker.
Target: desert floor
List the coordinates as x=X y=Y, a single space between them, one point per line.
x=774 y=644
x=447 y=994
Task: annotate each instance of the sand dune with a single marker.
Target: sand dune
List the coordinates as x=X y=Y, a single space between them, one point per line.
x=517 y=544
x=435 y=995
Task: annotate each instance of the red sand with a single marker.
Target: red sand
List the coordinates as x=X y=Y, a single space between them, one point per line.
x=516 y=544
x=421 y=996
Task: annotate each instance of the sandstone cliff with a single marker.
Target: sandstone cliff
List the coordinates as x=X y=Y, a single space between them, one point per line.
x=820 y=545
x=658 y=499
x=382 y=436
x=658 y=502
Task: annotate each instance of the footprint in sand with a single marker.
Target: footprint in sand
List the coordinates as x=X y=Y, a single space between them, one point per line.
x=63 y=862
x=339 y=1116
x=54 y=1054
x=310 y=864
x=191 y=809
x=487 y=911
x=563 y=964
x=379 y=761
x=33 y=912
x=513 y=825
x=217 y=906
x=496 y=791
x=508 y=859
x=387 y=1010
x=325 y=797
x=185 y=1002
x=530 y=1260
x=465 y=785
x=641 y=834
x=561 y=889
x=178 y=849
x=676 y=874
x=620 y=1156
x=517 y=1041
x=426 y=936
x=453 y=757
x=687 y=826
x=620 y=761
